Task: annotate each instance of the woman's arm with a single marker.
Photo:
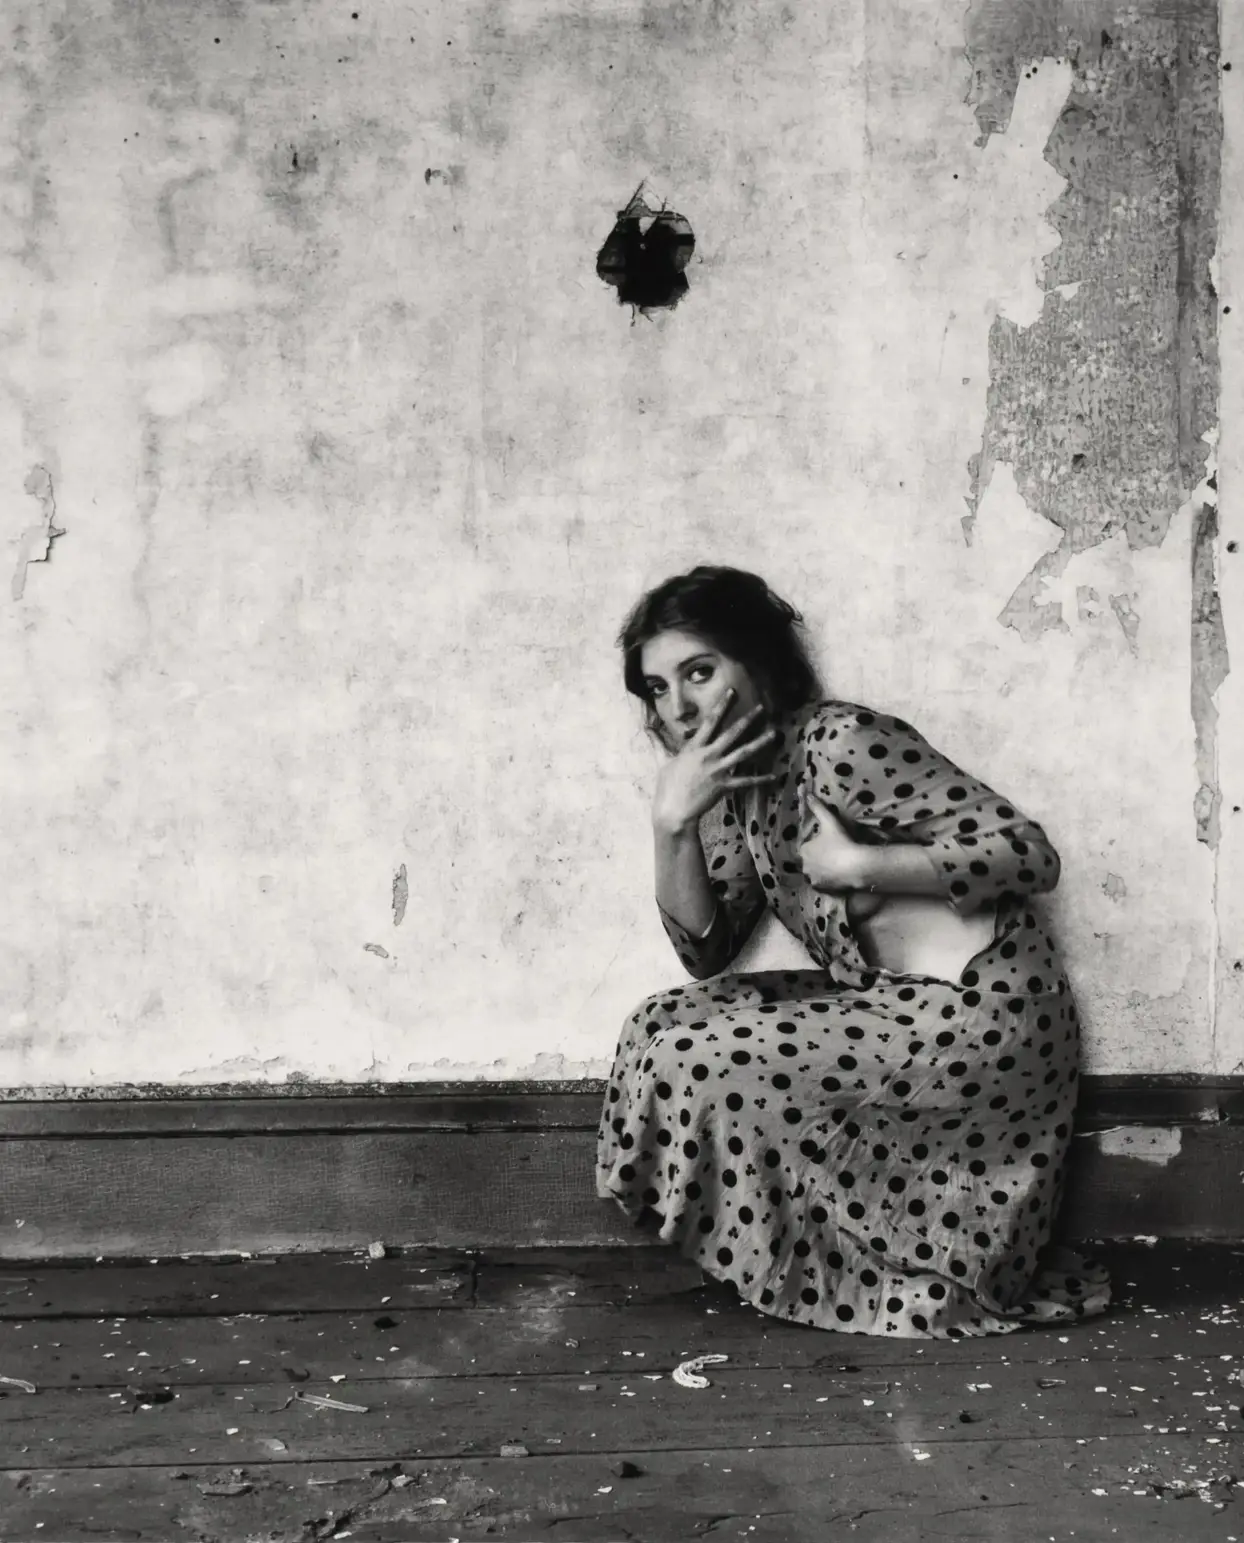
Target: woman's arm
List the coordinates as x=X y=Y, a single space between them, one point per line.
x=683 y=890
x=708 y=893
x=899 y=870
x=709 y=903
x=946 y=832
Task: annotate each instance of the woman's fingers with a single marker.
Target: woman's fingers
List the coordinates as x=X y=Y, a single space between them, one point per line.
x=735 y=757
x=751 y=782
x=712 y=723
x=735 y=732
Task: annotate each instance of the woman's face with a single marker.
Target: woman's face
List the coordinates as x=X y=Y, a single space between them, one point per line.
x=686 y=679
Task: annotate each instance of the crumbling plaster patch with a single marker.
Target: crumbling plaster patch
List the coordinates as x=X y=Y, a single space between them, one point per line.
x=1103 y=406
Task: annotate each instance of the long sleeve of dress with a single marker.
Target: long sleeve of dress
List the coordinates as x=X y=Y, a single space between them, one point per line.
x=879 y=774
x=739 y=893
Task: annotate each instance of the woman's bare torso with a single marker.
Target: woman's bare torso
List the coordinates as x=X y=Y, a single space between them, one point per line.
x=918 y=934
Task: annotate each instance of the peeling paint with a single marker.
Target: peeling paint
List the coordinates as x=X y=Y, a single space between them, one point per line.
x=1128 y=618
x=401 y=894
x=1102 y=405
x=1157 y=1144
x=35 y=545
x=1088 y=602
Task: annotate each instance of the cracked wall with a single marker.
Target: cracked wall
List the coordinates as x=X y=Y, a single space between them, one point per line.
x=324 y=771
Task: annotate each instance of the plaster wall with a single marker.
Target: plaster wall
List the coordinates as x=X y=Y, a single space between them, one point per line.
x=330 y=468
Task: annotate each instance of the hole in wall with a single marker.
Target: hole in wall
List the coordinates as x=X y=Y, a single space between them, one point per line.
x=644 y=255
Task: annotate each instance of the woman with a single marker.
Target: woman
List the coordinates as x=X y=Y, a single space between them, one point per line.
x=868 y=1145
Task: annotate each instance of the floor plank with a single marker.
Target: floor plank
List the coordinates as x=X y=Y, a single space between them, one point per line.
x=1054 y=1490
x=598 y=1411
x=1171 y=1274
x=249 y=1348
x=1175 y=1274
x=802 y=1433
x=290 y=1283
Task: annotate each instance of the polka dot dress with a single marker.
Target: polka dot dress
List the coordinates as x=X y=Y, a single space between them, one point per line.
x=853 y=1148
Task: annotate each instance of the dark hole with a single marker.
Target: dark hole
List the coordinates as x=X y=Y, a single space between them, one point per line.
x=644 y=256
x=386 y=1323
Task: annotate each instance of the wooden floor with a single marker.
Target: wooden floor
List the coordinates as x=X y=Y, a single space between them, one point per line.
x=528 y=1395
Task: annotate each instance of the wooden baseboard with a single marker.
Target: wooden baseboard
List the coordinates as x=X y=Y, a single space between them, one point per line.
x=157 y=1171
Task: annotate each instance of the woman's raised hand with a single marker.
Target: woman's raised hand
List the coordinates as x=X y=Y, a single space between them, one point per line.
x=830 y=859
x=706 y=767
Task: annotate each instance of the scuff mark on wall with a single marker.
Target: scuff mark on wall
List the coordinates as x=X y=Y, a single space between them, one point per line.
x=264 y=1069
x=1210 y=666
x=1157 y=1144
x=401 y=893
x=1102 y=405
x=35 y=545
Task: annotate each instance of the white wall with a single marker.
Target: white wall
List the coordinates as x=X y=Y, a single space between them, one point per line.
x=359 y=468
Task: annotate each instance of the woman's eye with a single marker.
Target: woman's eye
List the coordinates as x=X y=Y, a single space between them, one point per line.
x=655 y=691
x=701 y=673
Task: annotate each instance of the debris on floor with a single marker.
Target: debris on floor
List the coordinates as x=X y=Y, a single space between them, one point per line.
x=145 y=1398
x=686 y=1373
x=322 y=1401
x=514 y=1449
x=18 y=1382
x=235 y=1485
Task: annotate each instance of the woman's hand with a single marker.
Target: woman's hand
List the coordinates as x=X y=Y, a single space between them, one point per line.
x=706 y=767
x=831 y=860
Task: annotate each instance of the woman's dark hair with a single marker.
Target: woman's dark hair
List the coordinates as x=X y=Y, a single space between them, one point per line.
x=740 y=616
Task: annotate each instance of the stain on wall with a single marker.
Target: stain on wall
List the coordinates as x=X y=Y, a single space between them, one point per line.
x=401 y=894
x=1210 y=667
x=34 y=545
